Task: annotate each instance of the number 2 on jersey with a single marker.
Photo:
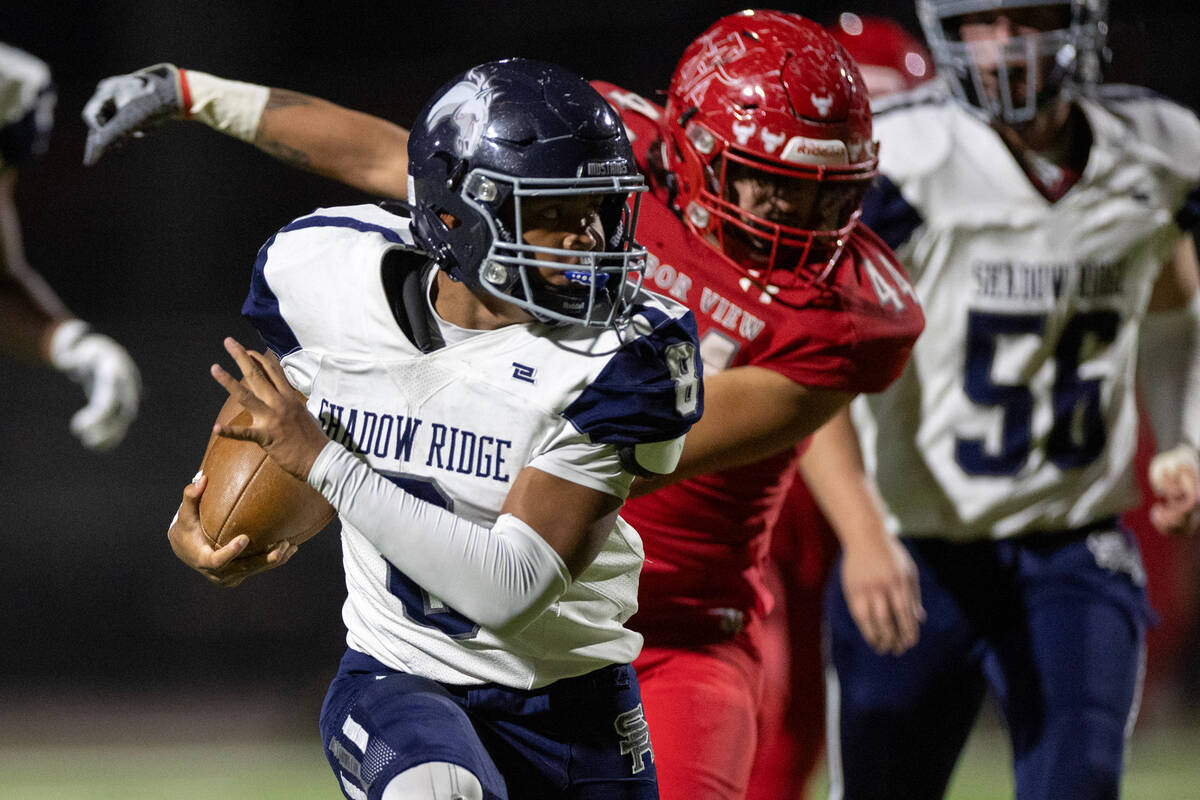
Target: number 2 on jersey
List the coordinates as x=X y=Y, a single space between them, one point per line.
x=1077 y=435
x=419 y=605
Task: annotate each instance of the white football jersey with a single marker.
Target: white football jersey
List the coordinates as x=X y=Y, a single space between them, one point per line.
x=455 y=425
x=26 y=106
x=1017 y=410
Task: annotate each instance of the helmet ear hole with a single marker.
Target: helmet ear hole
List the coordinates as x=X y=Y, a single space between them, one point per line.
x=457 y=169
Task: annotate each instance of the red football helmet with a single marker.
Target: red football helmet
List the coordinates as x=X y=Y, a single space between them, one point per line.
x=768 y=137
x=891 y=58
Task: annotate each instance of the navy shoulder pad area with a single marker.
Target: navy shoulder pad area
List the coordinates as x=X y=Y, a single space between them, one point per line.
x=885 y=211
x=930 y=93
x=1188 y=216
x=1119 y=92
x=650 y=390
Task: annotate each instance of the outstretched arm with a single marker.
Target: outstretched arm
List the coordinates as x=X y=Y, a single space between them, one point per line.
x=1169 y=364
x=38 y=327
x=349 y=146
x=878 y=576
x=358 y=149
x=750 y=413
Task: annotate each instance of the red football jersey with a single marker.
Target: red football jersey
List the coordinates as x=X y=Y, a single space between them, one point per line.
x=707 y=537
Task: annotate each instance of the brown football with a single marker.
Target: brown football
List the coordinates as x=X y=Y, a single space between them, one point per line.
x=249 y=493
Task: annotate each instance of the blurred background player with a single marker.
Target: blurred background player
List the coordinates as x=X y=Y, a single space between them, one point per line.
x=803 y=543
x=1042 y=217
x=35 y=325
x=757 y=167
x=498 y=322
x=890 y=58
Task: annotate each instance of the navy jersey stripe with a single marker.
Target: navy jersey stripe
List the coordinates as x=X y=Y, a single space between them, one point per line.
x=262 y=306
x=344 y=222
x=886 y=212
x=928 y=94
x=1118 y=92
x=634 y=399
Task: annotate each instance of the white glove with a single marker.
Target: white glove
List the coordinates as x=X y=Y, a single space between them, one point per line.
x=1170 y=463
x=125 y=105
x=1175 y=479
x=108 y=376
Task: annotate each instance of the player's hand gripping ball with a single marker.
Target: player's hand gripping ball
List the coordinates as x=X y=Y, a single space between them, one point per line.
x=248 y=493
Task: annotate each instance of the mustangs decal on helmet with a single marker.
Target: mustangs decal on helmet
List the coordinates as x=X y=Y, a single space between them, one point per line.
x=467 y=104
x=717 y=47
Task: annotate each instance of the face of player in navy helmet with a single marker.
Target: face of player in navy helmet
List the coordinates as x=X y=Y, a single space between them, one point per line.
x=520 y=176
x=1006 y=59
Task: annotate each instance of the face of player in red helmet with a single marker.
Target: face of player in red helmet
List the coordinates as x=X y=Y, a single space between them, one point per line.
x=769 y=141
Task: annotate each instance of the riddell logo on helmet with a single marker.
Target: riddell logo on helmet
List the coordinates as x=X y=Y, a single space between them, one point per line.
x=817 y=152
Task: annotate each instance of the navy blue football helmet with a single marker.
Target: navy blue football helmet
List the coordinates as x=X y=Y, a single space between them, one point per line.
x=511 y=130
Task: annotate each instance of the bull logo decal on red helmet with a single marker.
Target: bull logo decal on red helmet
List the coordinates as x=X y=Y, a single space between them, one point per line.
x=771 y=141
x=468 y=105
x=822 y=104
x=743 y=132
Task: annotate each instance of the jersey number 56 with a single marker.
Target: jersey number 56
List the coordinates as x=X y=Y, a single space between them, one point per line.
x=1077 y=435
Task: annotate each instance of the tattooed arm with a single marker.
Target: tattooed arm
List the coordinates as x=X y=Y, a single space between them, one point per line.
x=358 y=149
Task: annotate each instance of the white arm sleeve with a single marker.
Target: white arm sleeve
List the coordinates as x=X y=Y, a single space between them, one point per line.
x=1169 y=373
x=500 y=578
x=232 y=107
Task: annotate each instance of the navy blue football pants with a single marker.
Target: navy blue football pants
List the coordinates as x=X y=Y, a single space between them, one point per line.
x=581 y=738
x=1054 y=625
